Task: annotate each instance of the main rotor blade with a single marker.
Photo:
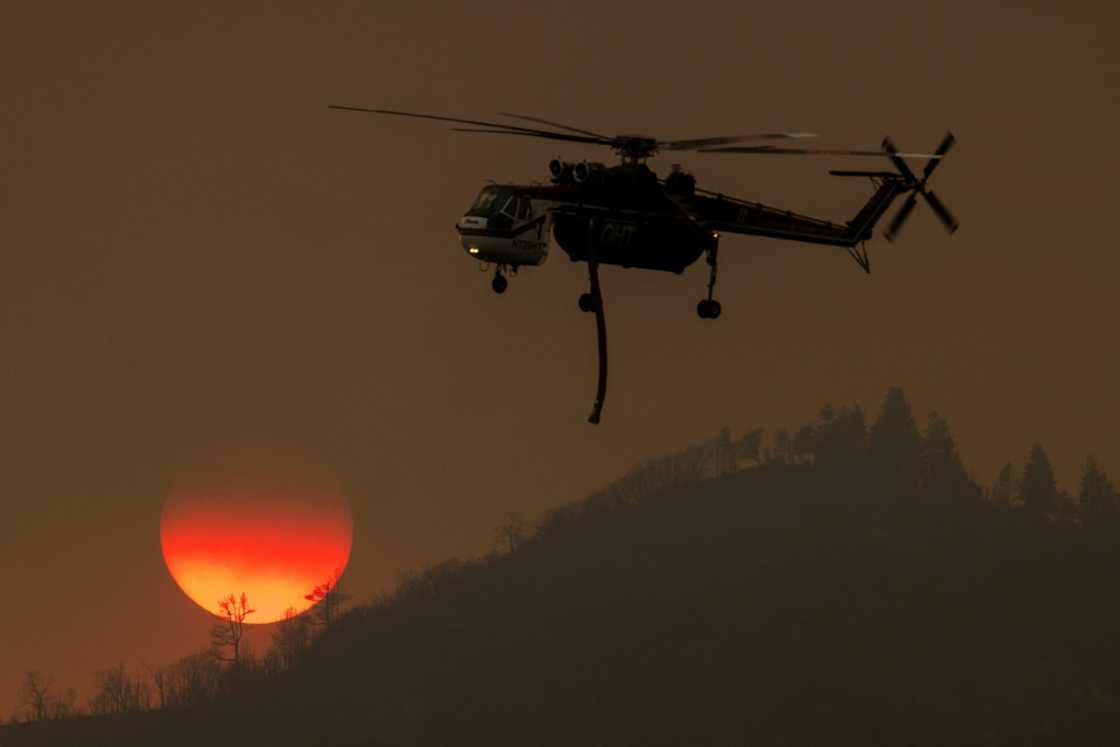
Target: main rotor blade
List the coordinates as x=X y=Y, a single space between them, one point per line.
x=538 y=120
x=771 y=150
x=541 y=134
x=872 y=174
x=900 y=218
x=942 y=149
x=438 y=118
x=943 y=213
x=704 y=142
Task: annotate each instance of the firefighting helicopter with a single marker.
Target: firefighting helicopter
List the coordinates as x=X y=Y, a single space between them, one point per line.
x=626 y=215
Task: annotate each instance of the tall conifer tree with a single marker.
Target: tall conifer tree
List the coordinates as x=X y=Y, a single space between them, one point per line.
x=1039 y=488
x=895 y=446
x=942 y=469
x=1098 y=499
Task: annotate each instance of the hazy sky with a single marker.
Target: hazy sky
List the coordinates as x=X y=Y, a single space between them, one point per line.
x=196 y=252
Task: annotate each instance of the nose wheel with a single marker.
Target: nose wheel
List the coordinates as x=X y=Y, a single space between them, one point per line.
x=500 y=282
x=709 y=308
x=586 y=302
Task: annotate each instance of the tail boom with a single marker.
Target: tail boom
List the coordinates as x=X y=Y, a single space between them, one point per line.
x=721 y=213
x=739 y=216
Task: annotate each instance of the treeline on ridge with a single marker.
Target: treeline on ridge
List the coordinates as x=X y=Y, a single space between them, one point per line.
x=839 y=581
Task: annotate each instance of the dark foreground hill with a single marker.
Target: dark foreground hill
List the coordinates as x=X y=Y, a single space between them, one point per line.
x=782 y=604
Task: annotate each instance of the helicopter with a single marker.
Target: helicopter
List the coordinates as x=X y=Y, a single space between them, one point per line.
x=627 y=215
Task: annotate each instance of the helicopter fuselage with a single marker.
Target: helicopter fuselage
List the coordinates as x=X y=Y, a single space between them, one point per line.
x=612 y=218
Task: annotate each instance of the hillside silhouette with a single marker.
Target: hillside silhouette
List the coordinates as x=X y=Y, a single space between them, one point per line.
x=842 y=583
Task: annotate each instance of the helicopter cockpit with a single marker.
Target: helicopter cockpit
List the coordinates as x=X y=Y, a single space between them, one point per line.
x=495 y=202
x=499 y=227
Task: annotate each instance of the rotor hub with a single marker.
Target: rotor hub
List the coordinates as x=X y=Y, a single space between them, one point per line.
x=634 y=147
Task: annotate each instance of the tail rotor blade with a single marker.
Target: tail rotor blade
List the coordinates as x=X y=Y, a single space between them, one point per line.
x=900 y=218
x=942 y=149
x=892 y=153
x=943 y=213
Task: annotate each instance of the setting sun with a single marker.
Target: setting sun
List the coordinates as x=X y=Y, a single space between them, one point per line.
x=273 y=539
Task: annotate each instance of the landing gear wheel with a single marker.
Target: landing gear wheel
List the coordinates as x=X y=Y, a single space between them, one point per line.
x=499 y=284
x=709 y=309
x=586 y=302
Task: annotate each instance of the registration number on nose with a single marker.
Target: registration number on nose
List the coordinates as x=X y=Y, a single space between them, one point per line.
x=533 y=245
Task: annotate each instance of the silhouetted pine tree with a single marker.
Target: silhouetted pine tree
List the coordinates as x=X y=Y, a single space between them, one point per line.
x=1039 y=488
x=840 y=441
x=1005 y=489
x=783 y=445
x=943 y=474
x=895 y=446
x=804 y=443
x=1067 y=507
x=723 y=453
x=1098 y=499
x=748 y=446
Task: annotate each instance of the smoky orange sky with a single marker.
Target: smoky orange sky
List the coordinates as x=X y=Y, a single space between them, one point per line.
x=197 y=251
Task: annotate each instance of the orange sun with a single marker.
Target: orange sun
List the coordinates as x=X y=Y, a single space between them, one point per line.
x=273 y=537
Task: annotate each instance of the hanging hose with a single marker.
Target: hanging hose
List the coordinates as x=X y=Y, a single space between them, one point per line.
x=601 y=328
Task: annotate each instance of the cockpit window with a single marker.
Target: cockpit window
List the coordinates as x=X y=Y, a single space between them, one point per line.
x=493 y=200
x=485 y=201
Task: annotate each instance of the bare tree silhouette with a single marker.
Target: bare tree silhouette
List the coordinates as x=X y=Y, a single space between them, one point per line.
x=328 y=599
x=39 y=702
x=118 y=692
x=229 y=631
x=192 y=680
x=511 y=532
x=35 y=696
x=289 y=640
